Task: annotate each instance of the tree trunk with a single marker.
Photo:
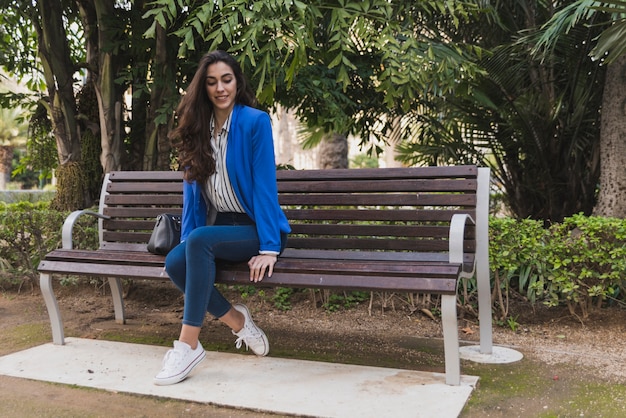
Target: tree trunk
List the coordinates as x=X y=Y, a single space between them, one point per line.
x=158 y=148
x=58 y=72
x=333 y=152
x=612 y=195
x=108 y=93
x=6 y=158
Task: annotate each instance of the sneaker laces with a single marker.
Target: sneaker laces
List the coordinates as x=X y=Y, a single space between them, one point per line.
x=173 y=358
x=246 y=332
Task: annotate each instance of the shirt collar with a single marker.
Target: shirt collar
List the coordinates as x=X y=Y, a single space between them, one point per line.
x=225 y=127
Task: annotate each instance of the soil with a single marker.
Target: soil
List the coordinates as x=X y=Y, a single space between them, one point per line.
x=570 y=367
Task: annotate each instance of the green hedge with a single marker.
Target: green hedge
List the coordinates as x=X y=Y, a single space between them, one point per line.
x=27 y=232
x=580 y=263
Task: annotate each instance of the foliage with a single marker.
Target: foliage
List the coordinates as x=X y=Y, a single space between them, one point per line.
x=41 y=153
x=27 y=232
x=580 y=263
x=609 y=45
x=282 y=297
x=534 y=120
x=334 y=301
x=517 y=260
x=346 y=66
x=457 y=80
x=588 y=263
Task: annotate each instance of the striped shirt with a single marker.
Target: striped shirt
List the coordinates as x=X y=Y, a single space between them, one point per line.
x=219 y=188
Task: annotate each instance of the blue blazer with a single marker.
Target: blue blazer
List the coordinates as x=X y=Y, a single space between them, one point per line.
x=251 y=166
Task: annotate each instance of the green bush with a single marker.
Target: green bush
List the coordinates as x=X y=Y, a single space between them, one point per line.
x=516 y=260
x=27 y=232
x=588 y=263
x=580 y=262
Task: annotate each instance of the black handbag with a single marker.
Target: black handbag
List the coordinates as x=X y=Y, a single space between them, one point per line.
x=165 y=235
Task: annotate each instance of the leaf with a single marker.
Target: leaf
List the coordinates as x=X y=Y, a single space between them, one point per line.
x=428 y=313
x=467 y=330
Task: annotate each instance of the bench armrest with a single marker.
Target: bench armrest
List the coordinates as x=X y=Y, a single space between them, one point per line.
x=68 y=225
x=457 y=238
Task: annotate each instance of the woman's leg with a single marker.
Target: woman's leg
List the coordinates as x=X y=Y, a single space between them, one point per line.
x=203 y=246
x=191 y=266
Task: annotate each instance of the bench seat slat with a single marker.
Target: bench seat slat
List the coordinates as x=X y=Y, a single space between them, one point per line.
x=127 y=271
x=345 y=281
x=367 y=267
x=288 y=278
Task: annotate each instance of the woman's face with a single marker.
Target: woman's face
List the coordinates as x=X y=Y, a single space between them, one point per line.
x=221 y=87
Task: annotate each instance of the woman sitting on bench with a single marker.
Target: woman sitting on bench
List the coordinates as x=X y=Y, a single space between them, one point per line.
x=230 y=206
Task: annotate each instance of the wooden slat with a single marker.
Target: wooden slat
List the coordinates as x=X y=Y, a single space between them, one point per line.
x=400 y=231
x=148 y=188
x=132 y=224
x=376 y=173
x=145 y=199
x=103 y=270
x=324 y=254
x=381 y=199
x=396 y=215
x=136 y=212
x=341 y=281
x=126 y=236
x=152 y=176
x=107 y=257
x=391 y=244
x=369 y=186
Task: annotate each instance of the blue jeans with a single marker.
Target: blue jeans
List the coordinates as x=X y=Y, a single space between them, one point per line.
x=191 y=264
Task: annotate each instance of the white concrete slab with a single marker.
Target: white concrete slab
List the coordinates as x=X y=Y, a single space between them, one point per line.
x=282 y=386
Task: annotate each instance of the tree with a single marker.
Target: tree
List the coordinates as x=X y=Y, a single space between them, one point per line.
x=346 y=66
x=92 y=46
x=458 y=79
x=533 y=119
x=609 y=50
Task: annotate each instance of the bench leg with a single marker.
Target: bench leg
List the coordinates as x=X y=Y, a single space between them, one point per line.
x=56 y=322
x=451 y=340
x=115 y=283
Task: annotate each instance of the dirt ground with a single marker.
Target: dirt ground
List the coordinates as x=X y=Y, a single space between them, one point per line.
x=570 y=368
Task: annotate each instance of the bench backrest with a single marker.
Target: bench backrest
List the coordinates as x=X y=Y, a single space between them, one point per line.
x=133 y=200
x=376 y=211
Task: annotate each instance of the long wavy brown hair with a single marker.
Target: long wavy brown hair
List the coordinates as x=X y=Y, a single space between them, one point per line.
x=192 y=136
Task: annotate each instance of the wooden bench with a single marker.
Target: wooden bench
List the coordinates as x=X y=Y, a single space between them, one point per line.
x=395 y=229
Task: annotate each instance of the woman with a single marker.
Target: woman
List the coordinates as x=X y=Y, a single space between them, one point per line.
x=230 y=206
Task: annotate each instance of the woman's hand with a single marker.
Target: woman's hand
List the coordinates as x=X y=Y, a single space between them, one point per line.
x=259 y=264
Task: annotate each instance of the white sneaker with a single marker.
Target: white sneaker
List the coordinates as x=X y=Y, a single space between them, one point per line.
x=250 y=334
x=178 y=363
